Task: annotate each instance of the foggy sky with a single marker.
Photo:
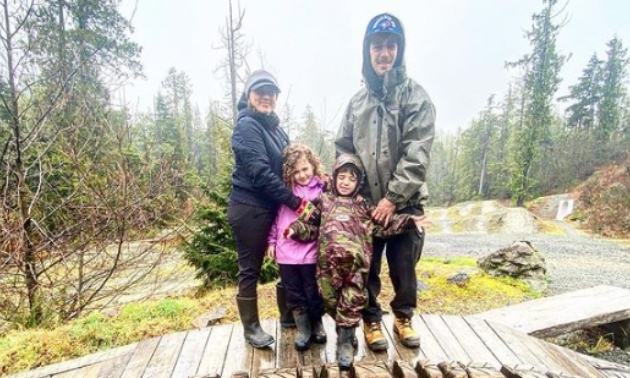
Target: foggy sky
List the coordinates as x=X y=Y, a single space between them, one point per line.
x=456 y=49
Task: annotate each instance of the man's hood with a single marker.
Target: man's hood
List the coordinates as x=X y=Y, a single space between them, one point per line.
x=379 y=24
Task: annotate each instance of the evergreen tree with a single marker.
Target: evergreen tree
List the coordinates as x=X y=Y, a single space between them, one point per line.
x=614 y=74
x=585 y=97
x=218 y=132
x=506 y=119
x=476 y=155
x=541 y=80
x=313 y=135
x=289 y=123
x=441 y=176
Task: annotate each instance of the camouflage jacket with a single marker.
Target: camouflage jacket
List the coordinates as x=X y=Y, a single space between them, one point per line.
x=346 y=226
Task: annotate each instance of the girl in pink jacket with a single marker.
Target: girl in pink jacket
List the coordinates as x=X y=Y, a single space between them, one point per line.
x=297 y=260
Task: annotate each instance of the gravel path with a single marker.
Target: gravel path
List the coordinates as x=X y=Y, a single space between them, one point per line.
x=573 y=261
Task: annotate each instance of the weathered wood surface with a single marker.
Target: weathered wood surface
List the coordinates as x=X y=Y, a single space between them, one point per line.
x=610 y=369
x=221 y=351
x=558 y=314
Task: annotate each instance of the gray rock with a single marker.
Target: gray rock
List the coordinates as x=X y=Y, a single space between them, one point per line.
x=426 y=275
x=459 y=279
x=422 y=286
x=209 y=318
x=520 y=260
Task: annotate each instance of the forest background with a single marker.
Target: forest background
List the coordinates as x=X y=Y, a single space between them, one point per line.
x=82 y=175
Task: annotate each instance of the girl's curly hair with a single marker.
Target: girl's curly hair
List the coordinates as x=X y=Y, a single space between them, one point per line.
x=292 y=154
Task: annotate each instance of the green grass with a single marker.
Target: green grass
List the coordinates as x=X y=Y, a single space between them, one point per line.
x=28 y=349
x=549 y=227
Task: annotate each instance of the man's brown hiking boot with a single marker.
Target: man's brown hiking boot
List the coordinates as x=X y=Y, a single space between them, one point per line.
x=408 y=336
x=374 y=337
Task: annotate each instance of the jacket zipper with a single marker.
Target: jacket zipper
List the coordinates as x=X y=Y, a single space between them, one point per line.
x=379 y=128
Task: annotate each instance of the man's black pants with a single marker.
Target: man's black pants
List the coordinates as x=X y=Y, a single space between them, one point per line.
x=403 y=253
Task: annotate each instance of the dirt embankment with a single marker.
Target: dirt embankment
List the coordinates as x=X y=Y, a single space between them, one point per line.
x=481 y=217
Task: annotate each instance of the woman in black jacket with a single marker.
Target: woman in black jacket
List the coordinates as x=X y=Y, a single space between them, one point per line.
x=257 y=192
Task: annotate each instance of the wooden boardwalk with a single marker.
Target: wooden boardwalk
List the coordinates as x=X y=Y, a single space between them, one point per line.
x=558 y=314
x=221 y=350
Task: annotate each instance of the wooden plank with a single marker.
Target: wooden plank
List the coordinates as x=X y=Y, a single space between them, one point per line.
x=53 y=369
x=287 y=356
x=90 y=371
x=331 y=344
x=266 y=358
x=429 y=345
x=72 y=373
x=597 y=362
x=191 y=353
x=518 y=344
x=216 y=349
x=111 y=368
x=310 y=356
x=524 y=371
x=363 y=354
x=314 y=356
x=165 y=356
x=239 y=353
x=390 y=355
x=141 y=357
x=482 y=370
x=548 y=316
x=114 y=367
x=446 y=339
x=553 y=359
x=494 y=343
x=374 y=370
x=608 y=368
x=581 y=365
x=468 y=339
x=410 y=355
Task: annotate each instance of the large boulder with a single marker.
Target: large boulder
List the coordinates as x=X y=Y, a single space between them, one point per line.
x=521 y=261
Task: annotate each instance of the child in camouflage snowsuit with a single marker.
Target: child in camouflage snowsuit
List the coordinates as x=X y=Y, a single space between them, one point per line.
x=345 y=248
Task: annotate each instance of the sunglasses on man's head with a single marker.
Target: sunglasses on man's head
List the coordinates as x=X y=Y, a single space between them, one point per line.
x=266 y=90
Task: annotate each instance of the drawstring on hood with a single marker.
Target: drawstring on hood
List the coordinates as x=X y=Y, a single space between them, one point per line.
x=383 y=23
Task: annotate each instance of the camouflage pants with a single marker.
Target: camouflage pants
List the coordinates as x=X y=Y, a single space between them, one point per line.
x=342 y=278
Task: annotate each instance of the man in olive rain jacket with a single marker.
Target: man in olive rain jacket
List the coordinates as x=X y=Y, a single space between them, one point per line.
x=390 y=125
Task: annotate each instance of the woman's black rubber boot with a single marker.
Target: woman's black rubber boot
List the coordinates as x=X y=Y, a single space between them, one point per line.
x=254 y=334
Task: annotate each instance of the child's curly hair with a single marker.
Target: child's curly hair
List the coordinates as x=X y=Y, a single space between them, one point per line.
x=292 y=154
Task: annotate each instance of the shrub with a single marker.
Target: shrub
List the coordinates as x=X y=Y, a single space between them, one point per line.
x=211 y=249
